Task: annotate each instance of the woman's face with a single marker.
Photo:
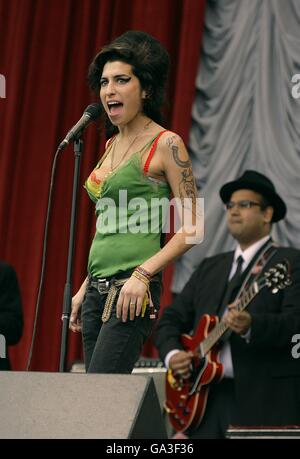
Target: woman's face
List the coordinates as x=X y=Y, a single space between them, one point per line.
x=120 y=93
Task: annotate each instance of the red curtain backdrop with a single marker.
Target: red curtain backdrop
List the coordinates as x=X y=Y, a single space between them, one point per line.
x=46 y=48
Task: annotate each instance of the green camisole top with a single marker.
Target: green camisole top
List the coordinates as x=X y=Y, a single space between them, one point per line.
x=131 y=209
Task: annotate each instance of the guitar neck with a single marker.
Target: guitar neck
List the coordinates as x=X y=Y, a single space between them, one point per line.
x=221 y=327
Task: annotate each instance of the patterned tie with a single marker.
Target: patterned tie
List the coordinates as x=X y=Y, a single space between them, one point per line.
x=232 y=286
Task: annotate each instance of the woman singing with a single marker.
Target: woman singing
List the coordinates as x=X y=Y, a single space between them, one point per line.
x=143 y=164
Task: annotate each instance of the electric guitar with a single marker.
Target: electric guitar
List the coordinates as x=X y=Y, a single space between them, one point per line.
x=186 y=398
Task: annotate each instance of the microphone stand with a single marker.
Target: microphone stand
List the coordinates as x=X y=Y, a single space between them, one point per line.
x=78 y=147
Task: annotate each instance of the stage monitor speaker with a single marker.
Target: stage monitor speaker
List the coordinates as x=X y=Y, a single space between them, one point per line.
x=156 y=369
x=66 y=405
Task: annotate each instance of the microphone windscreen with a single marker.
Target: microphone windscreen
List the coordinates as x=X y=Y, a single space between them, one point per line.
x=94 y=111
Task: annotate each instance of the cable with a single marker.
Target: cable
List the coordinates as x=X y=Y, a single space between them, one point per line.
x=41 y=282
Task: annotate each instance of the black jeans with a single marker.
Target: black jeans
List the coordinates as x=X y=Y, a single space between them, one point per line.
x=113 y=346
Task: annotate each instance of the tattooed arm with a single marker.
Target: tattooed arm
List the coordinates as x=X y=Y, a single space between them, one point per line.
x=177 y=169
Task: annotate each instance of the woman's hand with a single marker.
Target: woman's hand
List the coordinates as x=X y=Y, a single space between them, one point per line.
x=77 y=300
x=131 y=298
x=75 y=322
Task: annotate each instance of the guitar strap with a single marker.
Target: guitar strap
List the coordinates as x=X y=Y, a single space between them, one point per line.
x=257 y=264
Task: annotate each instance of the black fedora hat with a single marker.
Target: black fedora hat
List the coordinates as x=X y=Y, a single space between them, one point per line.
x=252 y=180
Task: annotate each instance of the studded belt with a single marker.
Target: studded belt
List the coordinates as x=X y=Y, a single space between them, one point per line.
x=110 y=287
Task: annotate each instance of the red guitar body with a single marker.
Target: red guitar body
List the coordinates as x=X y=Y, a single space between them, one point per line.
x=186 y=398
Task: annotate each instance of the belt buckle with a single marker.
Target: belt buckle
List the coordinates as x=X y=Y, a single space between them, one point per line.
x=103 y=286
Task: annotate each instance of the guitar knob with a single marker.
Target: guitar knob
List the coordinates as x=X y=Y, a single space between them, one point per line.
x=167 y=409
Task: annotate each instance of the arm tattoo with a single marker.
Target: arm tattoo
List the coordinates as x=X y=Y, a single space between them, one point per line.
x=177 y=159
x=187 y=185
x=175 y=153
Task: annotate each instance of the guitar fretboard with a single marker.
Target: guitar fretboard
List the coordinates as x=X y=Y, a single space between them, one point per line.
x=221 y=327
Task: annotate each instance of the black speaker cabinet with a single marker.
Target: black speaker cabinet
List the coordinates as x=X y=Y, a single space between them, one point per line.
x=66 y=405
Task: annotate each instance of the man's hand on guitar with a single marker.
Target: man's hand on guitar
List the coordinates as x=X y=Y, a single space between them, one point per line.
x=238 y=321
x=180 y=364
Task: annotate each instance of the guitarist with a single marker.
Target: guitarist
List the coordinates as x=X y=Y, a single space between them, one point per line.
x=261 y=381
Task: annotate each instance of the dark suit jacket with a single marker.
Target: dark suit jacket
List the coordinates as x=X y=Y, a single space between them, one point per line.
x=11 y=319
x=267 y=377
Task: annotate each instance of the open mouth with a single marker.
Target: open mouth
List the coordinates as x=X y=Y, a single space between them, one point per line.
x=114 y=107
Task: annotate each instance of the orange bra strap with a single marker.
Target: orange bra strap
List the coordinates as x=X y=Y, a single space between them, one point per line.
x=152 y=151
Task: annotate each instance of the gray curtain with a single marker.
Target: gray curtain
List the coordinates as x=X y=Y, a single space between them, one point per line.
x=244 y=114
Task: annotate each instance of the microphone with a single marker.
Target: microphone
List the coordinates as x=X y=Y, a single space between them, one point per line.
x=91 y=113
